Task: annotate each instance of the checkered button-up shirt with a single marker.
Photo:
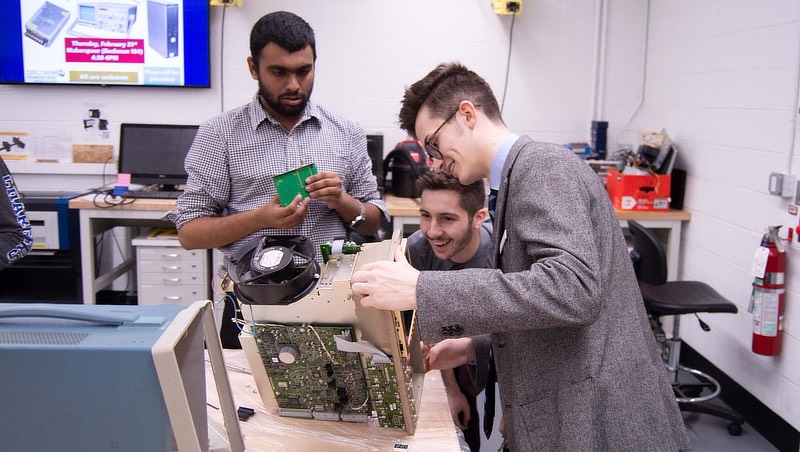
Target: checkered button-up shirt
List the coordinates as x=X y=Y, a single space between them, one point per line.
x=235 y=155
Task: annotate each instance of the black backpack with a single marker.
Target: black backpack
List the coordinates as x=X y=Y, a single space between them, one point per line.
x=407 y=161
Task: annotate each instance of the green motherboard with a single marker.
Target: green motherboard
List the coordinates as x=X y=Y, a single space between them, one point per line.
x=311 y=378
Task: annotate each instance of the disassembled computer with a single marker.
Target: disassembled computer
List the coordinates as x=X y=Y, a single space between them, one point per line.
x=314 y=351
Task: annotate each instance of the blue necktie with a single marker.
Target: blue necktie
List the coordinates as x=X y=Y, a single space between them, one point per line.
x=492 y=202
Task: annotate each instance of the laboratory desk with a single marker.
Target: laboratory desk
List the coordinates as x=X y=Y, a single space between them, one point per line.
x=266 y=431
x=669 y=224
x=97 y=216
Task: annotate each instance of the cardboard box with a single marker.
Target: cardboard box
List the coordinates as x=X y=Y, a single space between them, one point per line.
x=638 y=192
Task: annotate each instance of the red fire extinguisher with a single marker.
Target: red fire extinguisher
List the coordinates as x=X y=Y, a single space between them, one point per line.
x=769 y=294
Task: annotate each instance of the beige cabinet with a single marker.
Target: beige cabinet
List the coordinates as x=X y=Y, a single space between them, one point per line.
x=167 y=273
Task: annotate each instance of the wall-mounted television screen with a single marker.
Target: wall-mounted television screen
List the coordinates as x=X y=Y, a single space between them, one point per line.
x=121 y=42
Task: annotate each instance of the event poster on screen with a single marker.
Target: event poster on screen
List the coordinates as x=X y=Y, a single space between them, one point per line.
x=123 y=42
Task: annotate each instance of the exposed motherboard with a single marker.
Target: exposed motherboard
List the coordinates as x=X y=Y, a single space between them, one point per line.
x=325 y=357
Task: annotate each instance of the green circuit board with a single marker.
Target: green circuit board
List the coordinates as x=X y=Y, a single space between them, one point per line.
x=385 y=394
x=292 y=183
x=311 y=379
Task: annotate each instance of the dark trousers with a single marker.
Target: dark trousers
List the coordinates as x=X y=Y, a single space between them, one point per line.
x=472 y=435
x=229 y=330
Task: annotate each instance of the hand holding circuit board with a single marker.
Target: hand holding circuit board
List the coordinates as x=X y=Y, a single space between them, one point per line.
x=307 y=182
x=293 y=183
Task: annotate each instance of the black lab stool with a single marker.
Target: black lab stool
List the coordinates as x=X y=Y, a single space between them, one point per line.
x=675 y=298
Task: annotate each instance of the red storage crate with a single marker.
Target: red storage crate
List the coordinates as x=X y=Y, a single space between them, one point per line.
x=638 y=192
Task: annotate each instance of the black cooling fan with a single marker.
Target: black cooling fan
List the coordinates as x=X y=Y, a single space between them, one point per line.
x=274 y=270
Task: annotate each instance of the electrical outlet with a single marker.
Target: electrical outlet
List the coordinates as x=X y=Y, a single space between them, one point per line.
x=226 y=2
x=506 y=7
x=783 y=185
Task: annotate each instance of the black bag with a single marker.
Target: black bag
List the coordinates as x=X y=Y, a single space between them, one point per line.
x=405 y=163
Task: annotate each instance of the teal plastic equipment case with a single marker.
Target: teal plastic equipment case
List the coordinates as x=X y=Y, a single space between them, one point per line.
x=82 y=377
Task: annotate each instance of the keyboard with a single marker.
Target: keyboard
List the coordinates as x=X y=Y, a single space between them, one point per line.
x=158 y=194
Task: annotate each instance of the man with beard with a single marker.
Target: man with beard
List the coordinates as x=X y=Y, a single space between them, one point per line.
x=230 y=197
x=453 y=234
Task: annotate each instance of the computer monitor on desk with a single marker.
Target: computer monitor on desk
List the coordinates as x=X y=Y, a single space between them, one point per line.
x=155 y=153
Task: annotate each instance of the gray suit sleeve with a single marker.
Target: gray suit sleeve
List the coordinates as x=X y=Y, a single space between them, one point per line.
x=479 y=371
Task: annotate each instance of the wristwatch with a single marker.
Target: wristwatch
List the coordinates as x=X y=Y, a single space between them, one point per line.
x=359 y=220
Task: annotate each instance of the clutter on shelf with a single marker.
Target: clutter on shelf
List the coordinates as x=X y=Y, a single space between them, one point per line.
x=642 y=180
x=656 y=155
x=597 y=149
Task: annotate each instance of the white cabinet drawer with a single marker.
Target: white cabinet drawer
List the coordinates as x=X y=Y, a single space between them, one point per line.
x=171 y=279
x=170 y=254
x=181 y=295
x=167 y=273
x=171 y=267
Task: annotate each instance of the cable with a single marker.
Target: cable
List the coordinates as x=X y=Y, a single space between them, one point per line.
x=105 y=165
x=324 y=348
x=98 y=243
x=128 y=279
x=508 y=62
x=360 y=407
x=235 y=368
x=221 y=59
x=239 y=322
x=98 y=249
x=214 y=276
x=105 y=199
x=646 y=40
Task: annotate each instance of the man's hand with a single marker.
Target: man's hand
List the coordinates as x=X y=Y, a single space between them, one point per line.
x=387 y=285
x=459 y=409
x=459 y=406
x=448 y=354
x=326 y=187
x=276 y=216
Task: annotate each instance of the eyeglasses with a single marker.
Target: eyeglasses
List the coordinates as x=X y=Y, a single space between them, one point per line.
x=431 y=147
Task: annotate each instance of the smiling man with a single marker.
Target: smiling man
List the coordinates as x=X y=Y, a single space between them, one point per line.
x=561 y=313
x=230 y=197
x=453 y=230
x=453 y=234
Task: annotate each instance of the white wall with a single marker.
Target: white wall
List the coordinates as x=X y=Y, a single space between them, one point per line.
x=722 y=78
x=368 y=52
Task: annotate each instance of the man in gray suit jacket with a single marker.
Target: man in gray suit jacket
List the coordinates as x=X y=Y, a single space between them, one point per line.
x=561 y=312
